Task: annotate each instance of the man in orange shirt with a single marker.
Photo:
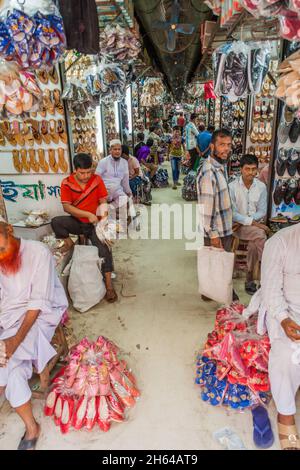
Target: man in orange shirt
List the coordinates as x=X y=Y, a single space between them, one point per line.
x=82 y=193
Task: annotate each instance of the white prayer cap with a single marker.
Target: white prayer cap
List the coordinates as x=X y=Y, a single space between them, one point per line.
x=115 y=142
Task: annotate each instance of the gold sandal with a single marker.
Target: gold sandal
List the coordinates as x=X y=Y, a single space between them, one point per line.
x=16 y=161
x=19 y=137
x=57 y=102
x=5 y=126
x=42 y=161
x=27 y=134
x=52 y=161
x=44 y=131
x=53 y=75
x=35 y=131
x=33 y=163
x=62 y=163
x=61 y=131
x=52 y=131
x=48 y=103
x=25 y=163
x=288 y=437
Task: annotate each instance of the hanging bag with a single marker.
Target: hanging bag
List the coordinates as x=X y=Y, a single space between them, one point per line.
x=86 y=285
x=215 y=271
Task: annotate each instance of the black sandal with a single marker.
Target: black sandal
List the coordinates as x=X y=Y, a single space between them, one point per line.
x=28 y=444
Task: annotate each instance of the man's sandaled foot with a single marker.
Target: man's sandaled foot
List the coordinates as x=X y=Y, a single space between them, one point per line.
x=288 y=437
x=111 y=296
x=29 y=444
x=66 y=247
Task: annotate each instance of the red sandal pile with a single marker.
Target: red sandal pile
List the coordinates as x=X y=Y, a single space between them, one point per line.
x=95 y=388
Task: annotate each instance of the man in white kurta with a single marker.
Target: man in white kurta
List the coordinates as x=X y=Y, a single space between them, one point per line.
x=115 y=173
x=280 y=313
x=32 y=302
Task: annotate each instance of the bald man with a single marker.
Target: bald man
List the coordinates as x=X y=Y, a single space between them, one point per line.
x=32 y=303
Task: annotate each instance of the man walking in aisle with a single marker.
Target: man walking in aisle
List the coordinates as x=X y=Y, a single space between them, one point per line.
x=249 y=204
x=213 y=194
x=191 y=134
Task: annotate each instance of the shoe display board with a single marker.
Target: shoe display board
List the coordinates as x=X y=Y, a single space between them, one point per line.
x=233 y=117
x=261 y=129
x=285 y=185
x=34 y=150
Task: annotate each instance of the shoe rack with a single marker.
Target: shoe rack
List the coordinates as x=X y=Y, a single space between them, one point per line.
x=112 y=123
x=262 y=113
x=284 y=193
x=82 y=116
x=37 y=142
x=233 y=117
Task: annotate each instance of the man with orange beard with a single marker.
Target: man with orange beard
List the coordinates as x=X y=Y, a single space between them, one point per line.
x=32 y=303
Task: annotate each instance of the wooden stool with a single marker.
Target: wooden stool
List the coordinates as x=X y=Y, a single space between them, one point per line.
x=62 y=350
x=240 y=250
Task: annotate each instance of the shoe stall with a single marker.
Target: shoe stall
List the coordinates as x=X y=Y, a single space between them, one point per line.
x=34 y=146
x=284 y=203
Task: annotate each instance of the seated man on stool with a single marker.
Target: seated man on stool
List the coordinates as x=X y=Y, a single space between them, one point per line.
x=249 y=204
x=115 y=173
x=32 y=303
x=82 y=195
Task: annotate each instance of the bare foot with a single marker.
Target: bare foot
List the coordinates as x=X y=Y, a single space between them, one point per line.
x=111 y=295
x=33 y=433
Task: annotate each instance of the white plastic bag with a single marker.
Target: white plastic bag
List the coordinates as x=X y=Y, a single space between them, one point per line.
x=86 y=286
x=215 y=271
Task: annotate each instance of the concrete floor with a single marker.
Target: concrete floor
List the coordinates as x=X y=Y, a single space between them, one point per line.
x=159 y=330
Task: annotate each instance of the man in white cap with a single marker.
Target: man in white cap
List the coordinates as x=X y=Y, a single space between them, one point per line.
x=32 y=303
x=114 y=172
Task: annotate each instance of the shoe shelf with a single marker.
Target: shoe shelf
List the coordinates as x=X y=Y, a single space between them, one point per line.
x=261 y=129
x=111 y=121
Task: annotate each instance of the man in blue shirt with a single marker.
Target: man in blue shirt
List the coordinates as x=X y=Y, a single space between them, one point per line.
x=204 y=140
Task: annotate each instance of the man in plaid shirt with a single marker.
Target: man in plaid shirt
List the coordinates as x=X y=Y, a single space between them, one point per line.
x=213 y=194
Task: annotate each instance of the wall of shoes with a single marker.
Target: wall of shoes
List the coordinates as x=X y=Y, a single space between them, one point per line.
x=285 y=192
x=83 y=110
x=34 y=145
x=261 y=129
x=111 y=122
x=233 y=116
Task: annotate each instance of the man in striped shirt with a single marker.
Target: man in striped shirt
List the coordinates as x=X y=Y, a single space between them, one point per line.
x=213 y=194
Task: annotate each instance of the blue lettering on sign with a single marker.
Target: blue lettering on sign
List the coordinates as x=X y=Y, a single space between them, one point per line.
x=11 y=191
